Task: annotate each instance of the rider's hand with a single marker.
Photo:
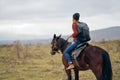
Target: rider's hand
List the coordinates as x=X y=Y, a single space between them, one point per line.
x=74 y=39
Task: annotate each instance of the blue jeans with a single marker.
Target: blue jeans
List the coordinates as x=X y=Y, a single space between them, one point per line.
x=70 y=49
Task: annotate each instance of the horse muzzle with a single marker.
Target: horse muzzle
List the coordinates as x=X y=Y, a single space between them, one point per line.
x=53 y=52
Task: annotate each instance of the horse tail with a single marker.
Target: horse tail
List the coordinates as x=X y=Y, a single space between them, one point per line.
x=107 y=69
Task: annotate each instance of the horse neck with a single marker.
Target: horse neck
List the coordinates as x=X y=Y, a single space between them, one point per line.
x=63 y=44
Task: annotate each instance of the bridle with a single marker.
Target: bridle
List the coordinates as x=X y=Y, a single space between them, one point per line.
x=61 y=45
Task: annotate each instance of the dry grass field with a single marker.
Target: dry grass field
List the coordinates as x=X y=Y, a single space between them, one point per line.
x=34 y=62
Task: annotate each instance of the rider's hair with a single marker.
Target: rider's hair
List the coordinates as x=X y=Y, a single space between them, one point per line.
x=76 y=16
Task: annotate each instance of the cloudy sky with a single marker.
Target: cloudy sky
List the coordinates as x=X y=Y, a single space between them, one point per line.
x=28 y=19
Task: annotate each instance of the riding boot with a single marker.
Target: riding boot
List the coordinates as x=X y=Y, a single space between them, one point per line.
x=71 y=66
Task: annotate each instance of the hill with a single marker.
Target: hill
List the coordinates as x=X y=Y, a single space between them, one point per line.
x=112 y=33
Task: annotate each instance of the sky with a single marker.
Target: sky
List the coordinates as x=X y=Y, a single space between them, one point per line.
x=34 y=19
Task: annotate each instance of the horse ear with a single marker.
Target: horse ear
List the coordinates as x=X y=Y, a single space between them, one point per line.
x=60 y=36
x=54 y=36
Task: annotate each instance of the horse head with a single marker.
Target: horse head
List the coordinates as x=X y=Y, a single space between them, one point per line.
x=55 y=44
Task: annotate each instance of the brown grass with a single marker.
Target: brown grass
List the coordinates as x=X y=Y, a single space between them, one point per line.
x=36 y=63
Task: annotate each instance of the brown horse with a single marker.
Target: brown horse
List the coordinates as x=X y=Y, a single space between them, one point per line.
x=92 y=57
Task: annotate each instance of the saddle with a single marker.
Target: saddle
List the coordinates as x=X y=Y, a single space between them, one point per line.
x=77 y=53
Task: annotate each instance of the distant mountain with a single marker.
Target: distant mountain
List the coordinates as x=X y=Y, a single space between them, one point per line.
x=112 y=33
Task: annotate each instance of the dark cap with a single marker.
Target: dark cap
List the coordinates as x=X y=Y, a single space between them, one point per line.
x=76 y=16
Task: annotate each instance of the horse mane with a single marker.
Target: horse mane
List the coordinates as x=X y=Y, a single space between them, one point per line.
x=62 y=39
x=63 y=43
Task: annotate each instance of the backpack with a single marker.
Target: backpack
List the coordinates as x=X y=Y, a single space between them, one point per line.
x=83 y=32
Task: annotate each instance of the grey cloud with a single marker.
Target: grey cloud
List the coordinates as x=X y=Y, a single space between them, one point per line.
x=49 y=9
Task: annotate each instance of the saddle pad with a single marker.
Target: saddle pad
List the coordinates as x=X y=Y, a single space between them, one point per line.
x=77 y=52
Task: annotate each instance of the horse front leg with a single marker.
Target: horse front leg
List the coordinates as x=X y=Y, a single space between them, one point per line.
x=76 y=72
x=68 y=72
